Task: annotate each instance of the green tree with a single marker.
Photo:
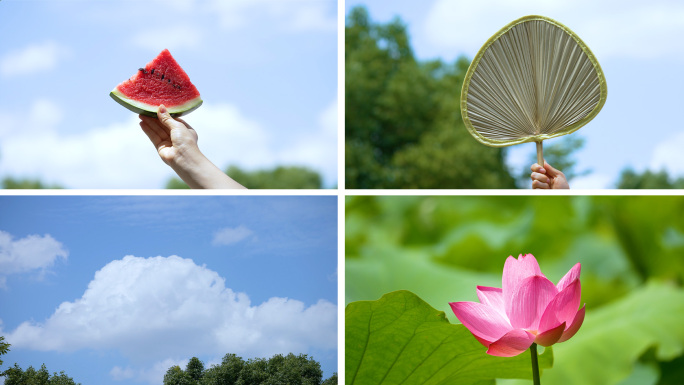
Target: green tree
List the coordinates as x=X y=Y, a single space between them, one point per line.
x=176 y=376
x=255 y=372
x=233 y=370
x=61 y=379
x=402 y=116
x=293 y=370
x=4 y=347
x=195 y=369
x=16 y=376
x=281 y=177
x=630 y=179
x=227 y=373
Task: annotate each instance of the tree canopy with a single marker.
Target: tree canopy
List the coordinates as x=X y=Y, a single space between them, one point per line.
x=402 y=116
x=630 y=179
x=16 y=376
x=233 y=370
x=4 y=347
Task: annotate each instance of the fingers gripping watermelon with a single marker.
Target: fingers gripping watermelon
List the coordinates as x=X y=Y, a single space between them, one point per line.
x=162 y=81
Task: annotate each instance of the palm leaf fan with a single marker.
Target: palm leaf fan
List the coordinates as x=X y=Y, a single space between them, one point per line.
x=533 y=80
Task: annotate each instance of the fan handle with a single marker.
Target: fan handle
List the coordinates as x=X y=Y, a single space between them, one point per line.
x=540 y=154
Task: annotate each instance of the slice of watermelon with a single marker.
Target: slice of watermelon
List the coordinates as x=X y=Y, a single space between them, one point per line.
x=162 y=81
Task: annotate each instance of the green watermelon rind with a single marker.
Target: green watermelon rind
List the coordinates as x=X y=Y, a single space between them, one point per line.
x=151 y=110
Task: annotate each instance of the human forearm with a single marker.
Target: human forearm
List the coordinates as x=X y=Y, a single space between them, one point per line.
x=199 y=172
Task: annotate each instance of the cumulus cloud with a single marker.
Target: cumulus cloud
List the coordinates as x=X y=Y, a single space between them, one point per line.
x=292 y=15
x=230 y=235
x=639 y=29
x=34 y=58
x=33 y=252
x=152 y=309
x=318 y=148
x=119 y=155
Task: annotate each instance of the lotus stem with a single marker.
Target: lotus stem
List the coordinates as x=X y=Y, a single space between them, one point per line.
x=535 y=363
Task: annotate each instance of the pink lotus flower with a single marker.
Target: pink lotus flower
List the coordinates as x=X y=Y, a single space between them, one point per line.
x=527 y=309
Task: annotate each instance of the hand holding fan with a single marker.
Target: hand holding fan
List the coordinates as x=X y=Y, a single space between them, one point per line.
x=533 y=80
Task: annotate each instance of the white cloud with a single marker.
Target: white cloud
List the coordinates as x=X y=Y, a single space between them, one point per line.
x=173 y=37
x=119 y=155
x=318 y=148
x=612 y=28
x=33 y=252
x=152 y=309
x=229 y=235
x=668 y=155
x=292 y=15
x=34 y=58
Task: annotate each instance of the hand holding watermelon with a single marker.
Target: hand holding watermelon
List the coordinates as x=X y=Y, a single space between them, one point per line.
x=176 y=143
x=159 y=92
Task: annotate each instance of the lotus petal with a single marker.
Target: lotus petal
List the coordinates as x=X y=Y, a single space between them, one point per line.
x=511 y=344
x=487 y=324
x=574 y=326
x=515 y=271
x=562 y=308
x=529 y=301
x=550 y=336
x=492 y=297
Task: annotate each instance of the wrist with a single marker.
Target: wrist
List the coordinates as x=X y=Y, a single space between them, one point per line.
x=189 y=164
x=197 y=171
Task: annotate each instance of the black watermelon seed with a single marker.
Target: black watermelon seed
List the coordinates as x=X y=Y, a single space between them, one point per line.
x=162 y=76
x=168 y=80
x=152 y=72
x=141 y=69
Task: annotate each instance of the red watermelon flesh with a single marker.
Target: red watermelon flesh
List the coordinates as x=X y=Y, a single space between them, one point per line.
x=162 y=81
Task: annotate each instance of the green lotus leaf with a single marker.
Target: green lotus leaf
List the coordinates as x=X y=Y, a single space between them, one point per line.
x=400 y=339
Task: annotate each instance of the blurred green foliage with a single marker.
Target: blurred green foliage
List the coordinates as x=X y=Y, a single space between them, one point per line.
x=281 y=177
x=25 y=183
x=630 y=179
x=402 y=116
x=442 y=247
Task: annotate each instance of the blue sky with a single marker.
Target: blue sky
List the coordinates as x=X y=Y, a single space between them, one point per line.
x=638 y=44
x=117 y=289
x=266 y=70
